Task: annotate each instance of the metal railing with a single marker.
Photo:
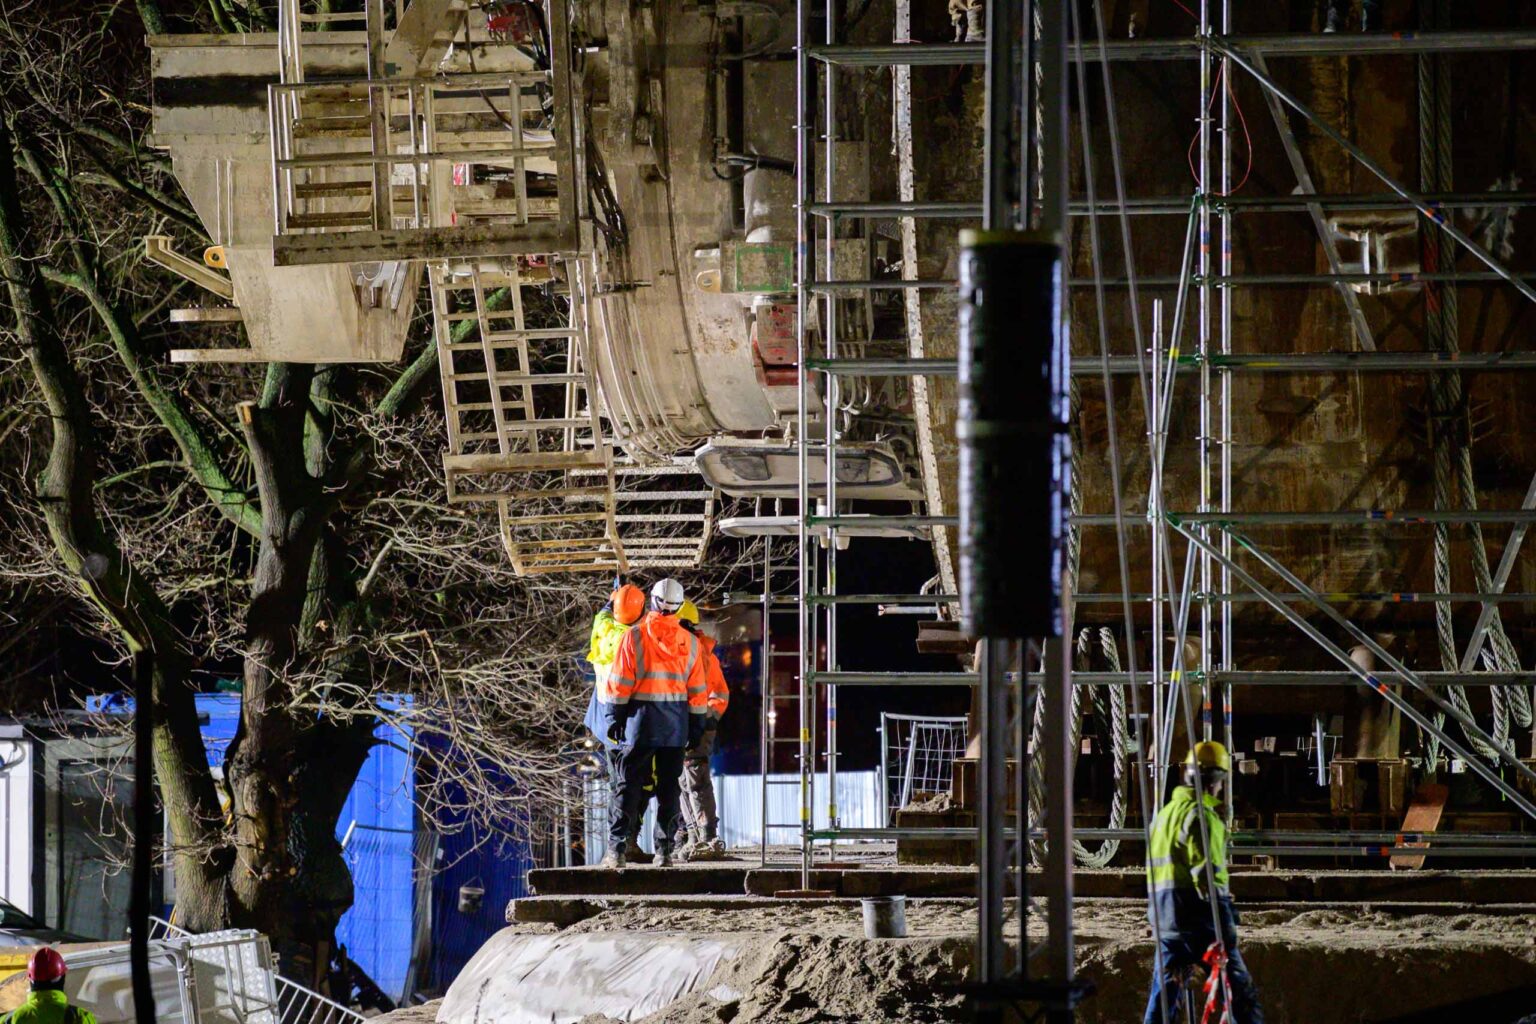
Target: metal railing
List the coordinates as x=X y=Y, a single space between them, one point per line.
x=293 y=1003
x=424 y=163
x=360 y=154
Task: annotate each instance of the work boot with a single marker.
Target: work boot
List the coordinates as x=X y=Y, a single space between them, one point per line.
x=614 y=859
x=664 y=857
x=635 y=855
x=685 y=843
x=707 y=849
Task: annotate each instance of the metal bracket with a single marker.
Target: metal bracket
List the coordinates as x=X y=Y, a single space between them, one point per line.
x=157 y=249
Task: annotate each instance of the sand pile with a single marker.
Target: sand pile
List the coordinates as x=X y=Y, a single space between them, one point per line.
x=802 y=963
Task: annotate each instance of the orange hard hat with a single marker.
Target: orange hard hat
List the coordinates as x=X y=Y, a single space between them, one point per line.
x=628 y=604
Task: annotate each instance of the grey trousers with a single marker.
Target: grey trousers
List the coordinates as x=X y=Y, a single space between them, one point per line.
x=700 y=817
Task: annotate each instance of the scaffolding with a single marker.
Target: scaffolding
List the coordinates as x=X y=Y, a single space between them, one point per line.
x=460 y=149
x=1195 y=598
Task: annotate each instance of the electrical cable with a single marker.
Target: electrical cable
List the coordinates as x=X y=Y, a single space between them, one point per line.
x=762 y=49
x=1223 y=81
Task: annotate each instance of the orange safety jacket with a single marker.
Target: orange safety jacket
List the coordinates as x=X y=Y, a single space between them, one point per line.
x=658 y=681
x=715 y=690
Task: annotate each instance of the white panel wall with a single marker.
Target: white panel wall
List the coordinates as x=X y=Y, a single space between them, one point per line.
x=16 y=844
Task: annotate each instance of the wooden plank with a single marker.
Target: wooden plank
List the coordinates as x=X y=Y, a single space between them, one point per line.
x=496 y=462
x=217 y=355
x=1423 y=815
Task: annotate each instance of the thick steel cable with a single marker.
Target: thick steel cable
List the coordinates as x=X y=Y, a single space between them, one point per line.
x=1119 y=726
x=1036 y=784
x=1119 y=743
x=1450 y=422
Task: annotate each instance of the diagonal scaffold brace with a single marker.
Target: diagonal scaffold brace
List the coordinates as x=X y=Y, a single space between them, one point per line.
x=1368 y=678
x=1431 y=210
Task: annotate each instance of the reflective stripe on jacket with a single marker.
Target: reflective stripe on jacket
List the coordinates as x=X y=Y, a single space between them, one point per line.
x=719 y=696
x=1177 y=857
x=658 y=681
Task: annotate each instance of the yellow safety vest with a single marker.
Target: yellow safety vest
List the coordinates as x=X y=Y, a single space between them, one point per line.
x=1177 y=857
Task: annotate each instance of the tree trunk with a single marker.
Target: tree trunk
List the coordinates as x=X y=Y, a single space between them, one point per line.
x=289 y=771
x=125 y=595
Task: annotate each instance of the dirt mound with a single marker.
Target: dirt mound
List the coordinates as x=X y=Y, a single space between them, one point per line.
x=797 y=979
x=1332 y=964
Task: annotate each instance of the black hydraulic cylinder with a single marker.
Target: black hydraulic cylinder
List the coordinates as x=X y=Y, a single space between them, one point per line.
x=1012 y=434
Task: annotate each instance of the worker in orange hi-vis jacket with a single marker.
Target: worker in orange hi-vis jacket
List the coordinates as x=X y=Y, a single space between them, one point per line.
x=659 y=705
x=700 y=823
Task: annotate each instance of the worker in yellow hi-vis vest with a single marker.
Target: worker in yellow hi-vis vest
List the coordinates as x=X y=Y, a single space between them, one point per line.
x=1178 y=876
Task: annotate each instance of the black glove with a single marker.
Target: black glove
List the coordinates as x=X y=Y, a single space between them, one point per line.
x=711 y=723
x=695 y=730
x=616 y=729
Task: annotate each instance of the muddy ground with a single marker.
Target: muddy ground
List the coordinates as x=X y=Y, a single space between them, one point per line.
x=1317 y=964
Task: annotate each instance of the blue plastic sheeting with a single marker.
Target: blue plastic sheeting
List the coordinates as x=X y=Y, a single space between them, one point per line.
x=381 y=815
x=466 y=856
x=222 y=711
x=380 y=812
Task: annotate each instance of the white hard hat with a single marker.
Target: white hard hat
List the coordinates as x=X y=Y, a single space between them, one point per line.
x=667 y=596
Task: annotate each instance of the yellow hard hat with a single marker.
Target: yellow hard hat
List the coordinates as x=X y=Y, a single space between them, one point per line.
x=1210 y=755
x=689 y=612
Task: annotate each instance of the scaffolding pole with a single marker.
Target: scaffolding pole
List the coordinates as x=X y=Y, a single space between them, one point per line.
x=1373 y=680
x=1434 y=214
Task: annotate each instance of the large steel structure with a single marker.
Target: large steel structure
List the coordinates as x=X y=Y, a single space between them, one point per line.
x=1192 y=596
x=726 y=340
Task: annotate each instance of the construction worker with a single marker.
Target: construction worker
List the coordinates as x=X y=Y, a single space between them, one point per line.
x=700 y=820
x=624 y=608
x=46 y=1002
x=1336 y=15
x=659 y=705
x=1179 y=876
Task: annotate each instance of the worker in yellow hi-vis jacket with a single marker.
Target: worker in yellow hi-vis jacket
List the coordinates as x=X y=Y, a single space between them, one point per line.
x=1178 y=875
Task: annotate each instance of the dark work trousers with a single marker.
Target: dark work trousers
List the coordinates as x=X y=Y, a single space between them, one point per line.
x=638 y=766
x=699 y=814
x=1185 y=934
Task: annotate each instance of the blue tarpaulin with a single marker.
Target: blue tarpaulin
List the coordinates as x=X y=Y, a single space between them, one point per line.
x=378 y=824
x=466 y=856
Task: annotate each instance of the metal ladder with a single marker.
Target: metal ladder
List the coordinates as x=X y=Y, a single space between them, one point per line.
x=822 y=214
x=521 y=423
x=778 y=609
x=665 y=512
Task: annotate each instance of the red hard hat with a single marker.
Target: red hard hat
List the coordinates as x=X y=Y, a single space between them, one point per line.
x=46 y=965
x=628 y=604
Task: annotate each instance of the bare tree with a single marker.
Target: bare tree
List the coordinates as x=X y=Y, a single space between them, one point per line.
x=283 y=523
